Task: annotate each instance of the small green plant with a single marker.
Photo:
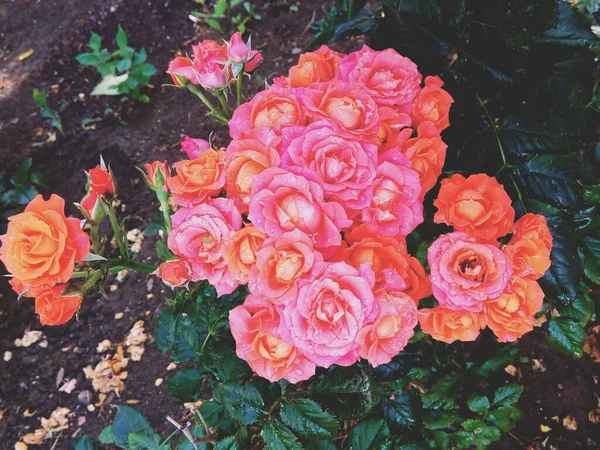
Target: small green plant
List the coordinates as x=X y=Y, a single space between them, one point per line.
x=346 y=18
x=224 y=10
x=18 y=190
x=124 y=71
x=41 y=100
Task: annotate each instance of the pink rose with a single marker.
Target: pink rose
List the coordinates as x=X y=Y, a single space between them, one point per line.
x=199 y=237
x=390 y=78
x=212 y=76
x=324 y=320
x=466 y=273
x=274 y=108
x=255 y=328
x=396 y=207
x=252 y=152
x=281 y=201
x=209 y=61
x=348 y=105
x=182 y=67
x=344 y=167
x=237 y=50
x=281 y=264
x=194 y=147
x=174 y=273
x=388 y=334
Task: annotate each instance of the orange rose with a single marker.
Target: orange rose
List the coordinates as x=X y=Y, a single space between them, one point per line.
x=197 y=179
x=101 y=181
x=478 y=206
x=427 y=153
x=528 y=257
x=240 y=252
x=54 y=306
x=41 y=245
x=447 y=325
x=533 y=226
x=510 y=316
x=314 y=67
x=432 y=104
x=174 y=273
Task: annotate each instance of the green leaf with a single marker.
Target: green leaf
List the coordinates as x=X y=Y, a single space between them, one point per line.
x=507 y=395
x=369 y=434
x=107 y=435
x=401 y=413
x=485 y=435
x=243 y=402
x=479 y=404
x=121 y=38
x=566 y=335
x=127 y=421
x=504 y=417
x=436 y=419
x=581 y=309
x=278 y=437
x=346 y=391
x=186 y=384
x=444 y=392
x=144 y=440
x=307 y=419
x=571 y=31
x=591 y=194
x=462 y=439
x=87 y=59
x=226 y=444
x=197 y=431
x=472 y=424
x=95 y=42
x=162 y=250
x=87 y=442
x=123 y=65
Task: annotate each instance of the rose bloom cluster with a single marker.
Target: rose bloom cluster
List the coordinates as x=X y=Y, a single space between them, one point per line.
x=477 y=281
x=323 y=179
x=42 y=246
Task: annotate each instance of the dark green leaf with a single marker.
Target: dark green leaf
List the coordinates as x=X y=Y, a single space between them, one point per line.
x=507 y=395
x=479 y=404
x=197 y=431
x=485 y=435
x=243 y=402
x=278 y=437
x=401 y=413
x=443 y=393
x=127 y=421
x=571 y=30
x=504 y=417
x=87 y=442
x=370 y=434
x=462 y=439
x=307 y=419
x=346 y=391
x=566 y=335
x=144 y=440
x=436 y=419
x=581 y=309
x=107 y=435
x=186 y=384
x=162 y=250
x=226 y=444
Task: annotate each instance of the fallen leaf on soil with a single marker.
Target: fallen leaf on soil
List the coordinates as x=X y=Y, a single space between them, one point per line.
x=592 y=344
x=540 y=321
x=85 y=397
x=55 y=423
x=59 y=376
x=538 y=365
x=23 y=56
x=69 y=386
x=136 y=237
x=122 y=275
x=20 y=446
x=135 y=341
x=594 y=416
x=29 y=338
x=570 y=423
x=191 y=406
x=108 y=375
x=158 y=382
x=28 y=413
x=113 y=287
x=511 y=370
x=103 y=346
x=172 y=366
x=133 y=401
x=91 y=408
x=43 y=344
x=7 y=356
x=118 y=315
x=35 y=438
x=545 y=428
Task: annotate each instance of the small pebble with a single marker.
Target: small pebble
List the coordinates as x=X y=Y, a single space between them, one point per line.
x=7 y=358
x=158 y=382
x=91 y=408
x=118 y=315
x=172 y=366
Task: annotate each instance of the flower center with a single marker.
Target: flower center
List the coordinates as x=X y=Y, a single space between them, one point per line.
x=472 y=267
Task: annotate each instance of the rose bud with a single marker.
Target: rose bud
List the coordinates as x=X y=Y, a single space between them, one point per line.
x=92 y=207
x=174 y=273
x=237 y=50
x=101 y=180
x=54 y=305
x=157 y=172
x=181 y=69
x=254 y=60
x=194 y=147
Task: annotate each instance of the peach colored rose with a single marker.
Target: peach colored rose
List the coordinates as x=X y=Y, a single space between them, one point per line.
x=240 y=252
x=385 y=255
x=252 y=152
x=465 y=273
x=432 y=104
x=174 y=273
x=101 y=181
x=396 y=207
x=390 y=78
x=389 y=333
x=281 y=202
x=342 y=165
x=182 y=67
x=477 y=205
x=533 y=226
x=313 y=67
x=281 y=264
x=529 y=257
x=510 y=316
x=447 y=325
x=41 y=245
x=254 y=326
x=348 y=105
x=54 y=305
x=393 y=129
x=195 y=180
x=427 y=154
x=274 y=108
x=199 y=237
x=327 y=315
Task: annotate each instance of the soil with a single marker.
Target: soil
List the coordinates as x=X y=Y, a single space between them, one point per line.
x=127 y=136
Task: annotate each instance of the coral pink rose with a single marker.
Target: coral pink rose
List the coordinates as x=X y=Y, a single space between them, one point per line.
x=393 y=129
x=389 y=333
x=432 y=104
x=446 y=325
x=254 y=326
x=327 y=315
x=533 y=226
x=193 y=148
x=281 y=201
x=237 y=50
x=466 y=273
x=389 y=77
x=511 y=315
x=427 y=154
x=209 y=62
x=101 y=180
x=529 y=257
x=281 y=264
x=182 y=68
x=348 y=105
x=344 y=167
x=54 y=305
x=252 y=152
x=314 y=67
x=199 y=236
x=240 y=252
x=396 y=207
x=174 y=273
x=274 y=108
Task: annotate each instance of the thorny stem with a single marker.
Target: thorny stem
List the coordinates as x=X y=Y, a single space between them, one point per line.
x=238 y=87
x=114 y=223
x=94 y=230
x=213 y=109
x=120 y=265
x=163 y=198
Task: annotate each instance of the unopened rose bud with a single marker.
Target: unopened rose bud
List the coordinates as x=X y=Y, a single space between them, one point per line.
x=174 y=273
x=237 y=50
x=101 y=180
x=194 y=147
x=182 y=68
x=157 y=172
x=92 y=207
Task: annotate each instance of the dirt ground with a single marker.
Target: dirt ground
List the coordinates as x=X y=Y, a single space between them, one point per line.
x=128 y=136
